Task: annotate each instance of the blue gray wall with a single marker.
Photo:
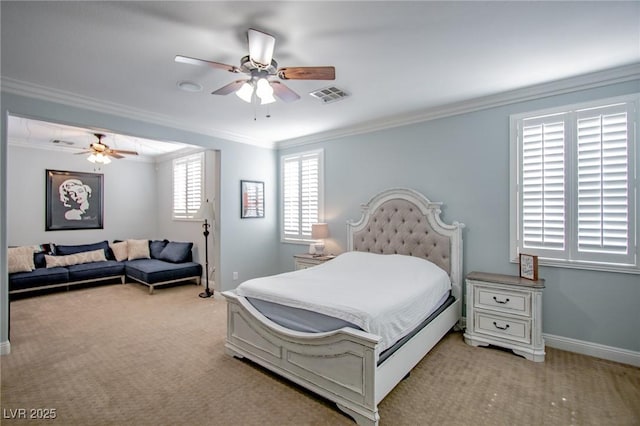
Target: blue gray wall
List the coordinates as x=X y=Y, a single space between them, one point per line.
x=463 y=161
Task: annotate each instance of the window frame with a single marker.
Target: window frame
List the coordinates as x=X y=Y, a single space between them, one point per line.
x=301 y=238
x=567 y=258
x=190 y=215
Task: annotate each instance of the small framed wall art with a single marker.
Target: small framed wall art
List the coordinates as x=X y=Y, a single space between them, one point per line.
x=74 y=200
x=529 y=266
x=251 y=199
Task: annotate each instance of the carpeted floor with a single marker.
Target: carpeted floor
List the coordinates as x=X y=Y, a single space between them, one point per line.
x=114 y=355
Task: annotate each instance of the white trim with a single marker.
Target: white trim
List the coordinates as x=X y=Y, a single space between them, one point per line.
x=5 y=348
x=597 y=350
x=582 y=347
x=558 y=87
x=23 y=88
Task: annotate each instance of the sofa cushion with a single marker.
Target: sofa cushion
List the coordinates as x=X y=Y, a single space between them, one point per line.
x=40 y=277
x=176 y=252
x=62 y=250
x=120 y=250
x=153 y=271
x=156 y=247
x=20 y=259
x=75 y=259
x=90 y=271
x=138 y=249
x=41 y=251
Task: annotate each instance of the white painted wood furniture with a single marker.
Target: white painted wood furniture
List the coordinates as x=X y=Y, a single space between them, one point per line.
x=342 y=365
x=505 y=311
x=304 y=260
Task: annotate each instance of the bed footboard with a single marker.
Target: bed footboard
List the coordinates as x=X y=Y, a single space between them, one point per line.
x=338 y=365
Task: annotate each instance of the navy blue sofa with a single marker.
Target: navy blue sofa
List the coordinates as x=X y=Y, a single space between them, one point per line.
x=168 y=262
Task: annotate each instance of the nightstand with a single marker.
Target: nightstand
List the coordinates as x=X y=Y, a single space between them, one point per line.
x=505 y=311
x=304 y=260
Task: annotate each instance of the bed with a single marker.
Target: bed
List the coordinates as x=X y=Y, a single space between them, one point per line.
x=348 y=365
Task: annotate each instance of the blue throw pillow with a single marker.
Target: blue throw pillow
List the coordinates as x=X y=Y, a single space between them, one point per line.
x=156 y=247
x=175 y=252
x=66 y=250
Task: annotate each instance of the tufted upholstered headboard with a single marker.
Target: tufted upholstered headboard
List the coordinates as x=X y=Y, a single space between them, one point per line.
x=403 y=221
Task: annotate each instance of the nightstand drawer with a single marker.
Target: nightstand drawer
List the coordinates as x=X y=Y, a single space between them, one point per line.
x=513 y=302
x=508 y=328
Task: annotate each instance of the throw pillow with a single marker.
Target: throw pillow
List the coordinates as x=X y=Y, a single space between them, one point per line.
x=138 y=249
x=20 y=259
x=73 y=249
x=156 y=247
x=120 y=250
x=176 y=252
x=75 y=259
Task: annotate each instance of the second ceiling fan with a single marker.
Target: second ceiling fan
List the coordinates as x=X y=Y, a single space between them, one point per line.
x=263 y=72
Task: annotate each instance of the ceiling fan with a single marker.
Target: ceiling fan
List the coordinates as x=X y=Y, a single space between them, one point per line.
x=100 y=152
x=263 y=72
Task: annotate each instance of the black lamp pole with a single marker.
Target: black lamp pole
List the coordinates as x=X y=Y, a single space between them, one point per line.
x=207 y=292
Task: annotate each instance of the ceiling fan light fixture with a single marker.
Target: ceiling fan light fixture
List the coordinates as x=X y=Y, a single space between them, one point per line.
x=245 y=92
x=92 y=158
x=265 y=92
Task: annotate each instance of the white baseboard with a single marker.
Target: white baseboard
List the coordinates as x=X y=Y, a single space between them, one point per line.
x=597 y=350
x=610 y=353
x=5 y=348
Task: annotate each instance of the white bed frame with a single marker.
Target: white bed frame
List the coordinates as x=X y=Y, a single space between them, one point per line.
x=342 y=365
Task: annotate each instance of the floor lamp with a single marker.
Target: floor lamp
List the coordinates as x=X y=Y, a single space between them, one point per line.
x=206 y=212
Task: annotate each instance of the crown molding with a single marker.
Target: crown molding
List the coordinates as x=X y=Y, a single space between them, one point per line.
x=23 y=88
x=558 y=87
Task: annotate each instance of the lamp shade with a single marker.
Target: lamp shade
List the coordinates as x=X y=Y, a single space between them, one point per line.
x=319 y=231
x=206 y=212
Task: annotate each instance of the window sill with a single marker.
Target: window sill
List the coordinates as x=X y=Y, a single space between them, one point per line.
x=588 y=266
x=295 y=241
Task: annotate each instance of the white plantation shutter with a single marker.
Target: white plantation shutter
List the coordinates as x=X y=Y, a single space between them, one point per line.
x=603 y=180
x=576 y=185
x=543 y=184
x=301 y=194
x=188 y=183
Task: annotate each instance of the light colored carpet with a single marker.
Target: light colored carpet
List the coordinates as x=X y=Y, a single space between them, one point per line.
x=114 y=355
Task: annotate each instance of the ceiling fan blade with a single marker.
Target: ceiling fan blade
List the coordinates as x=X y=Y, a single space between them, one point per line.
x=283 y=92
x=115 y=155
x=123 y=151
x=229 y=88
x=83 y=152
x=261 y=47
x=202 y=62
x=307 y=73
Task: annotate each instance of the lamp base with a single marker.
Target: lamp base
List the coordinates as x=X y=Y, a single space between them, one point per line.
x=206 y=293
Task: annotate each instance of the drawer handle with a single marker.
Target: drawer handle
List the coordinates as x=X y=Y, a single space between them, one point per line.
x=502 y=302
x=500 y=328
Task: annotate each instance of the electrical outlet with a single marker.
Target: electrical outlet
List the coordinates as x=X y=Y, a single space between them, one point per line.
x=235 y=276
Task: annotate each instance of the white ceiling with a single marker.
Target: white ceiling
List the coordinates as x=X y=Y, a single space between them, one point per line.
x=396 y=59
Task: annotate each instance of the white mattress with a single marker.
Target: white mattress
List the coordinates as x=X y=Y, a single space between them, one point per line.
x=386 y=295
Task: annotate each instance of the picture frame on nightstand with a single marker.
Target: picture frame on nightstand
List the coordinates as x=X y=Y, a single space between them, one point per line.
x=529 y=266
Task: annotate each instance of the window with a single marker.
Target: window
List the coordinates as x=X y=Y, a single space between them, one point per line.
x=573 y=186
x=188 y=183
x=302 y=194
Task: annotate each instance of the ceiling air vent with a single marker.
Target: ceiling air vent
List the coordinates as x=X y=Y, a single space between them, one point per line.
x=329 y=94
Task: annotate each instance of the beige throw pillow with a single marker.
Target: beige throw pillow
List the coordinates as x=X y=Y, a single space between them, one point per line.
x=21 y=259
x=120 y=250
x=138 y=249
x=75 y=259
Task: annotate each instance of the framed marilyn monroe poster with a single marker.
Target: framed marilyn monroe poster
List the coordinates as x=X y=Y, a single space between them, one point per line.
x=74 y=200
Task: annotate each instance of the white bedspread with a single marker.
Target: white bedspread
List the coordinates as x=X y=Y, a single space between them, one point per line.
x=386 y=295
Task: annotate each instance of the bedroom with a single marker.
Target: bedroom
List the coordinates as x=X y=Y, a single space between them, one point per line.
x=585 y=311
